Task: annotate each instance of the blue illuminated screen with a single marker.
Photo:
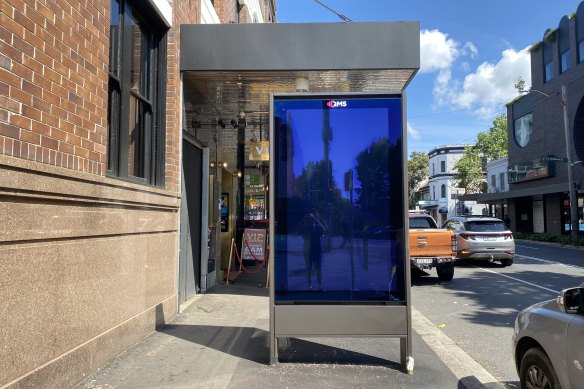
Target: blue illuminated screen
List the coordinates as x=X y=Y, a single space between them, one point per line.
x=339 y=199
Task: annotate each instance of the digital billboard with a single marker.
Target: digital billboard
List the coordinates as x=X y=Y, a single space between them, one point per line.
x=339 y=222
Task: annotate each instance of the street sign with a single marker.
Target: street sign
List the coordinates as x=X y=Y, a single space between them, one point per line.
x=553 y=158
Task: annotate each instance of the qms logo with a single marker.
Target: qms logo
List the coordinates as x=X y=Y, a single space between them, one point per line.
x=335 y=104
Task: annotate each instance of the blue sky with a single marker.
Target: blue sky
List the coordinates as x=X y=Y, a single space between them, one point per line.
x=471 y=54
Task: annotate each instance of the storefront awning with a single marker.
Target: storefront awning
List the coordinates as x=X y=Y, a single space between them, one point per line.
x=500 y=196
x=229 y=69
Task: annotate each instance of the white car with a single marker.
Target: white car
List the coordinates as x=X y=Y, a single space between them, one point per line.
x=482 y=238
x=548 y=342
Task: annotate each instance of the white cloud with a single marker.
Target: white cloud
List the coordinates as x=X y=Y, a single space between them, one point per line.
x=486 y=90
x=491 y=86
x=437 y=51
x=413 y=133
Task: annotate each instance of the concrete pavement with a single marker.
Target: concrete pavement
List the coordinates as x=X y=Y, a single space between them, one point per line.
x=220 y=340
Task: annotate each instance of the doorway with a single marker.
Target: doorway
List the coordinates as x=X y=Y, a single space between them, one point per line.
x=190 y=226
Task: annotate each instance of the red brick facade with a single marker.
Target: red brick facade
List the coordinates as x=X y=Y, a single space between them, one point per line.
x=53 y=88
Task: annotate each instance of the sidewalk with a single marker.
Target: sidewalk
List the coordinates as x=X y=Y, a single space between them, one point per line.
x=221 y=341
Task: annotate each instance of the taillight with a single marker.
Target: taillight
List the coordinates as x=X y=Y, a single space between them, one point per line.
x=508 y=236
x=453 y=242
x=467 y=236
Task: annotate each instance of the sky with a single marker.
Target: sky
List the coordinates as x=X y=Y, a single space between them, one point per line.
x=471 y=55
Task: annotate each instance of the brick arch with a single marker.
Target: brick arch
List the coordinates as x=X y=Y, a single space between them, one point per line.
x=578 y=131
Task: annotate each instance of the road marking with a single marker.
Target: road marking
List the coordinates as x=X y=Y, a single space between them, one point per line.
x=527 y=247
x=551 y=262
x=463 y=366
x=517 y=279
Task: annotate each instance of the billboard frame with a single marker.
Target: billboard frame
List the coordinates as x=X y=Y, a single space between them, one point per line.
x=350 y=319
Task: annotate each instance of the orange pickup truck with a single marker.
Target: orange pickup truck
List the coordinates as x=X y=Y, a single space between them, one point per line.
x=431 y=247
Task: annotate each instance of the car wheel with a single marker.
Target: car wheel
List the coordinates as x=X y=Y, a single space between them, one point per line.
x=506 y=262
x=445 y=273
x=537 y=371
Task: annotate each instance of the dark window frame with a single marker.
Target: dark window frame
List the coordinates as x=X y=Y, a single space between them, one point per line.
x=150 y=97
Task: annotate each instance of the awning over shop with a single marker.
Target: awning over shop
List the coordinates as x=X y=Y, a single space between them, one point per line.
x=500 y=196
x=231 y=69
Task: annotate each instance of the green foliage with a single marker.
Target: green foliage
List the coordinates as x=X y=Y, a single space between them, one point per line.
x=549 y=238
x=469 y=171
x=418 y=170
x=491 y=145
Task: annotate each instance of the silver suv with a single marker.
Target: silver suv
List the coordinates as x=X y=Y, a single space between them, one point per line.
x=482 y=238
x=548 y=342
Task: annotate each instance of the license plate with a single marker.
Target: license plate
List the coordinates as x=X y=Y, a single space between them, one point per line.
x=489 y=238
x=424 y=261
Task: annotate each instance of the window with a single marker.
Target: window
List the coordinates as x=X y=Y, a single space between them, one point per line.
x=502 y=181
x=565 y=61
x=432 y=168
x=563 y=39
x=549 y=71
x=443 y=191
x=442 y=166
x=136 y=90
x=493 y=181
x=548 y=55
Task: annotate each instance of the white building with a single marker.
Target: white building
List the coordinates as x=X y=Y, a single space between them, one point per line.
x=443 y=191
x=497 y=175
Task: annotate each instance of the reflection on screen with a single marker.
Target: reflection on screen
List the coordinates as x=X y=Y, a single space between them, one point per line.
x=338 y=199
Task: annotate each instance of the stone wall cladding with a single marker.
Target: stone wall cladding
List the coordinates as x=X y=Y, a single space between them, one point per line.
x=53 y=93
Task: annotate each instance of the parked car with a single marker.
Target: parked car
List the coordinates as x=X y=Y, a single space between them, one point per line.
x=548 y=342
x=431 y=247
x=482 y=238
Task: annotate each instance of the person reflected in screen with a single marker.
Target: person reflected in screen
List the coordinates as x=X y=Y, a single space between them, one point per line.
x=312 y=230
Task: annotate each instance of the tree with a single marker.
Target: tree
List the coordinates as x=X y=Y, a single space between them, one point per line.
x=418 y=170
x=469 y=171
x=491 y=145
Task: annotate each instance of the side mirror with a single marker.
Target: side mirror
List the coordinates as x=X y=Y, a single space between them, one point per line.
x=571 y=300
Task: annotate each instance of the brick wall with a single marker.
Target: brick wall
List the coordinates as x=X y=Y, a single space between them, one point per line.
x=227 y=10
x=53 y=88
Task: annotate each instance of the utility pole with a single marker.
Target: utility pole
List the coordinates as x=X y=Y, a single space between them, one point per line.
x=574 y=220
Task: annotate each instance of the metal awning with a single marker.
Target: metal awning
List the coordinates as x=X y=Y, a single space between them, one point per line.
x=540 y=190
x=232 y=68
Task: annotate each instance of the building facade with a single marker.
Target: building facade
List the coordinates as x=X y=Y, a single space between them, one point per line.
x=443 y=191
x=538 y=197
x=90 y=177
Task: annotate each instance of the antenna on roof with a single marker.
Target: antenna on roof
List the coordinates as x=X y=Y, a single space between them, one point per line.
x=343 y=17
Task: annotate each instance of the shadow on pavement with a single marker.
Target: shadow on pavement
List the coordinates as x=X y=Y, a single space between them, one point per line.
x=251 y=343
x=296 y=350
x=243 y=342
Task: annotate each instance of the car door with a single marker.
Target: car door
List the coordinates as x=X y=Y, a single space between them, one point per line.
x=575 y=351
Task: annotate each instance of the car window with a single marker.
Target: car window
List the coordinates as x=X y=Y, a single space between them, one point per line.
x=485 y=226
x=421 y=222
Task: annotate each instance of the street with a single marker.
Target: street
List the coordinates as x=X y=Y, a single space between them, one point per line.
x=477 y=309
